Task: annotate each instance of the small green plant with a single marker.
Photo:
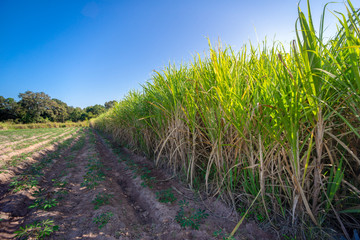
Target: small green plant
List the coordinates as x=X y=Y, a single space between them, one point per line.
x=259 y=217
x=39 y=192
x=37 y=230
x=287 y=237
x=101 y=199
x=228 y=238
x=223 y=235
x=144 y=173
x=89 y=183
x=103 y=219
x=189 y=217
x=23 y=182
x=94 y=173
x=44 y=203
x=70 y=165
x=253 y=213
x=61 y=194
x=59 y=184
x=217 y=233
x=166 y=196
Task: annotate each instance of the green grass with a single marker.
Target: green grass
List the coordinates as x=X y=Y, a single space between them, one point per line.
x=236 y=123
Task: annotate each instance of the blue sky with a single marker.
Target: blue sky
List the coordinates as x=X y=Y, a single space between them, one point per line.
x=90 y=52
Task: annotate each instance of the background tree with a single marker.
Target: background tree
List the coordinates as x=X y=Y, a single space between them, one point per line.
x=56 y=111
x=39 y=107
x=75 y=114
x=94 y=111
x=109 y=104
x=34 y=104
x=9 y=109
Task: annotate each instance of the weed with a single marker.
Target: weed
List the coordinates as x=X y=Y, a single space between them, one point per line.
x=144 y=172
x=103 y=219
x=222 y=234
x=24 y=182
x=70 y=165
x=189 y=217
x=287 y=237
x=228 y=238
x=61 y=194
x=37 y=230
x=253 y=213
x=217 y=233
x=183 y=203
x=63 y=173
x=101 y=199
x=44 y=203
x=94 y=174
x=59 y=184
x=166 y=196
x=39 y=192
x=91 y=180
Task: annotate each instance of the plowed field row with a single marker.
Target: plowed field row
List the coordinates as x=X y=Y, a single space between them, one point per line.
x=90 y=188
x=14 y=157
x=26 y=142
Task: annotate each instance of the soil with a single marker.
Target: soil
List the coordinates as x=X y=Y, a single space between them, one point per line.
x=136 y=211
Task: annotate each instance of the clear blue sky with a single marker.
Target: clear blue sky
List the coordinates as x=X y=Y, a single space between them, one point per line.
x=89 y=52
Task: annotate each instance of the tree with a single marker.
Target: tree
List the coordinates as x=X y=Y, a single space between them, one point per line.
x=60 y=110
x=56 y=111
x=75 y=114
x=9 y=109
x=35 y=104
x=109 y=104
x=39 y=107
x=94 y=111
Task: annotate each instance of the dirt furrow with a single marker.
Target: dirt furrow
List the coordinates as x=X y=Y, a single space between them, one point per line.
x=159 y=217
x=101 y=192
x=76 y=213
x=14 y=205
x=10 y=172
x=162 y=216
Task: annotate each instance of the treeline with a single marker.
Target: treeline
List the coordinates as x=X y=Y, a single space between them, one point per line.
x=38 y=107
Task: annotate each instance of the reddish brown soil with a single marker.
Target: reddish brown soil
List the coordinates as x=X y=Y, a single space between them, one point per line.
x=137 y=213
